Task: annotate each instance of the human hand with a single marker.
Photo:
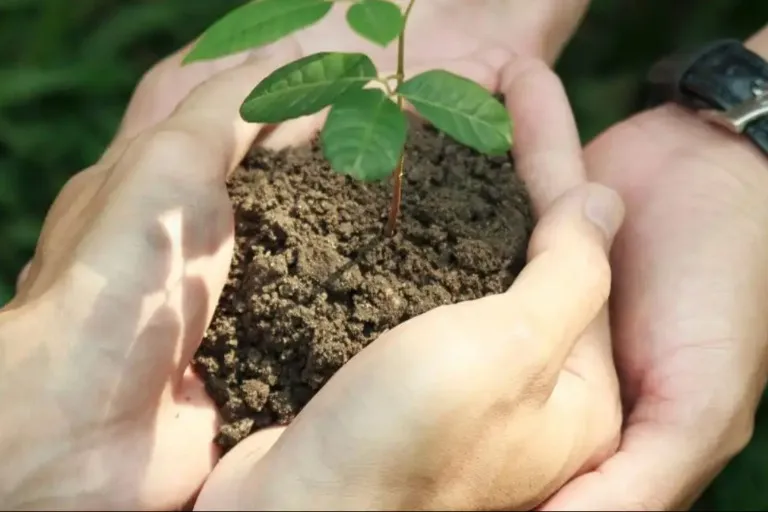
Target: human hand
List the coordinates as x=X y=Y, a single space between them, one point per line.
x=496 y=402
x=99 y=408
x=130 y=287
x=689 y=324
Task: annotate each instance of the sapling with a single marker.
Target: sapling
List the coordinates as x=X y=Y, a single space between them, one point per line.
x=365 y=133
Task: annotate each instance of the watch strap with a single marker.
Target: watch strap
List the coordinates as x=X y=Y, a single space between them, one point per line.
x=726 y=82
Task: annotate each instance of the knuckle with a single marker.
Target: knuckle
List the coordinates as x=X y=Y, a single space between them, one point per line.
x=165 y=144
x=167 y=166
x=526 y=69
x=154 y=77
x=168 y=150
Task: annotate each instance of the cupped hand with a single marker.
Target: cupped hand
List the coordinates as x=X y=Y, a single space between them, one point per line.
x=99 y=410
x=94 y=348
x=483 y=405
x=690 y=290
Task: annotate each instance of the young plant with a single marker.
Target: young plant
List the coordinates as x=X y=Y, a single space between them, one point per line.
x=365 y=133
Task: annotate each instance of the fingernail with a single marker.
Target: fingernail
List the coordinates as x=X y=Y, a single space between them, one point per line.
x=604 y=209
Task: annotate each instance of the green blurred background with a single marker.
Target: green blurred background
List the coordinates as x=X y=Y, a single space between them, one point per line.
x=67 y=68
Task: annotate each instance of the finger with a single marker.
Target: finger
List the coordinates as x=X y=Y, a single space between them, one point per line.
x=547 y=149
x=165 y=86
x=563 y=287
x=657 y=467
x=292 y=133
x=65 y=216
x=181 y=162
x=164 y=237
x=567 y=279
x=209 y=115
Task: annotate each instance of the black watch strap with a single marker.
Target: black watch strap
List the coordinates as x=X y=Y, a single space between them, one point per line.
x=724 y=81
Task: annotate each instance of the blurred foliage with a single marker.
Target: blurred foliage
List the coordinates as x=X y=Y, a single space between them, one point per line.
x=67 y=68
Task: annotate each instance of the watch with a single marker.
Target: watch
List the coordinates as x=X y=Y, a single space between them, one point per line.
x=724 y=82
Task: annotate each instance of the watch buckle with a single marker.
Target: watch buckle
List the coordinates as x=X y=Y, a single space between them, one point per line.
x=737 y=118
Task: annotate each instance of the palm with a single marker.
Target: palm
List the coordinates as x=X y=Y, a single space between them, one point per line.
x=645 y=159
x=680 y=326
x=160 y=433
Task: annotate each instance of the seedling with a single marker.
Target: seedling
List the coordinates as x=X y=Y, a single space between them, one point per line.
x=365 y=133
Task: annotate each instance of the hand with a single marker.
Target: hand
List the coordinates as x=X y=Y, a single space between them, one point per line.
x=483 y=405
x=124 y=286
x=99 y=408
x=690 y=330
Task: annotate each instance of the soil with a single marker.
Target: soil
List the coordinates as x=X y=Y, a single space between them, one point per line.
x=313 y=280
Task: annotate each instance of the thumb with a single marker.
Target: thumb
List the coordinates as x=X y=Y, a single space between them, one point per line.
x=570 y=245
x=657 y=467
x=567 y=278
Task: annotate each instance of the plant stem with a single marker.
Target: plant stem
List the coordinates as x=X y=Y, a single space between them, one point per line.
x=397 y=189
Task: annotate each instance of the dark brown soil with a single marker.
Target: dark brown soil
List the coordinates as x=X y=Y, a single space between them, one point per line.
x=313 y=280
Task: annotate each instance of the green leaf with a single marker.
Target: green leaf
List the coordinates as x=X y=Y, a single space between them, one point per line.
x=379 y=21
x=364 y=135
x=255 y=24
x=306 y=86
x=461 y=108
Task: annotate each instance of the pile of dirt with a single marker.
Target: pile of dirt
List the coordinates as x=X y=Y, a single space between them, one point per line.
x=313 y=280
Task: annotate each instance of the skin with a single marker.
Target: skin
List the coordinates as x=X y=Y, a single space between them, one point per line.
x=690 y=344
x=135 y=251
x=96 y=344
x=537 y=401
x=690 y=336
x=691 y=284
